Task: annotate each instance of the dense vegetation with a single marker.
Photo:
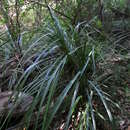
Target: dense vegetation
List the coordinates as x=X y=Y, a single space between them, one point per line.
x=66 y=64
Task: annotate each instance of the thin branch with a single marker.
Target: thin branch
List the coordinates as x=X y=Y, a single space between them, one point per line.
x=18 y=27
x=4 y=43
x=45 y=6
x=118 y=12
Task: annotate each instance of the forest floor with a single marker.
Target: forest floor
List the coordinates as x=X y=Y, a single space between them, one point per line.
x=119 y=80
x=119 y=85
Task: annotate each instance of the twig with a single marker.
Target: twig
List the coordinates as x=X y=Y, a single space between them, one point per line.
x=116 y=11
x=18 y=27
x=45 y=6
x=22 y=124
x=4 y=43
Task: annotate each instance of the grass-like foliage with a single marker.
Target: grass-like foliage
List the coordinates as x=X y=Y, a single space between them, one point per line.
x=60 y=77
